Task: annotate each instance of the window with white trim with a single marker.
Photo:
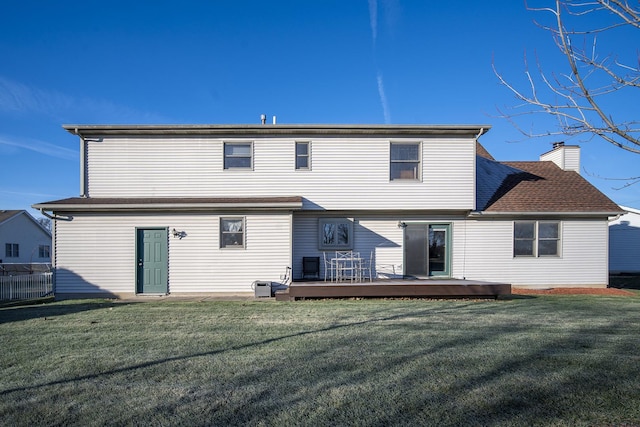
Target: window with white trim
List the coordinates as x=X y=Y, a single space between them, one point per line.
x=303 y=155
x=335 y=233
x=238 y=155
x=12 y=250
x=232 y=232
x=536 y=238
x=404 y=161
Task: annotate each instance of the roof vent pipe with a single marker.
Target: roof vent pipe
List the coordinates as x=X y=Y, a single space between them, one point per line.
x=274 y=120
x=263 y=118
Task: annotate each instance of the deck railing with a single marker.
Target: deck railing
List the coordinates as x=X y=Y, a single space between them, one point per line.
x=28 y=286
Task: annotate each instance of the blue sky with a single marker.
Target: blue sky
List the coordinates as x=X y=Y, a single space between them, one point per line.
x=227 y=62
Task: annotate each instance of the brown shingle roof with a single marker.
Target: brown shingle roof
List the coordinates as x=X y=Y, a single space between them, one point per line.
x=544 y=187
x=482 y=152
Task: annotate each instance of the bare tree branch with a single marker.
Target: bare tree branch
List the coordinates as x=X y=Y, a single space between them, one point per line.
x=578 y=98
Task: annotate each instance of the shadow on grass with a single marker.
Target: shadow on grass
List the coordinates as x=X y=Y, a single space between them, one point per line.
x=50 y=310
x=531 y=385
x=516 y=297
x=90 y=306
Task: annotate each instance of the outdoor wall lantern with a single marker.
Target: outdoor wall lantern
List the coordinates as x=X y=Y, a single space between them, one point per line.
x=402 y=224
x=178 y=234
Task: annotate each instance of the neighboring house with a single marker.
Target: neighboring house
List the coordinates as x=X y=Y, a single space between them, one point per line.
x=213 y=208
x=624 y=242
x=22 y=239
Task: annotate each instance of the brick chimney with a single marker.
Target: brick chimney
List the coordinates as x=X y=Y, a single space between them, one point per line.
x=567 y=157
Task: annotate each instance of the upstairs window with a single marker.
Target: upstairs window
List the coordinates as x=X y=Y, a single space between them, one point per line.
x=232 y=232
x=238 y=155
x=303 y=156
x=536 y=238
x=12 y=250
x=336 y=234
x=404 y=161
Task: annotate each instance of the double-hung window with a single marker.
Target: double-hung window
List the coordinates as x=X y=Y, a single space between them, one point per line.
x=44 y=251
x=404 y=163
x=12 y=250
x=238 y=155
x=335 y=233
x=232 y=232
x=536 y=238
x=303 y=155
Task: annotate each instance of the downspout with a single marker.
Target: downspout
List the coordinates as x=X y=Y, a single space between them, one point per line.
x=83 y=167
x=475 y=169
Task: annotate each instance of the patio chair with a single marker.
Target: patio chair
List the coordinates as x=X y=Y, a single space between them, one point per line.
x=328 y=267
x=347 y=265
x=310 y=267
x=366 y=268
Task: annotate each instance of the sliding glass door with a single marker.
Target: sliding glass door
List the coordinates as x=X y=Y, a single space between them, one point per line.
x=427 y=250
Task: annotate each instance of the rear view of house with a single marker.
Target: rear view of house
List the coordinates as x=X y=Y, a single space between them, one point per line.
x=213 y=208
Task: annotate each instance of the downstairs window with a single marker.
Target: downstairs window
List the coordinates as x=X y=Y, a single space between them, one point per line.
x=536 y=238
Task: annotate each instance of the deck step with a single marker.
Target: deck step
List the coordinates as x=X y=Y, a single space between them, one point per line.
x=283 y=295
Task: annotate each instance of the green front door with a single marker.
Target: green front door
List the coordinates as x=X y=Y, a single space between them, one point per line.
x=151 y=261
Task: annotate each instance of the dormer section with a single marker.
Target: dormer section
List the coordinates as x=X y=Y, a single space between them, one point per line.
x=566 y=157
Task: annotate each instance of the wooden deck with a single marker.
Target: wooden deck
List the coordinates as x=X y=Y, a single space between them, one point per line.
x=413 y=288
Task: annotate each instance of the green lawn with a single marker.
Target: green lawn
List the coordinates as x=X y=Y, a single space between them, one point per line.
x=544 y=360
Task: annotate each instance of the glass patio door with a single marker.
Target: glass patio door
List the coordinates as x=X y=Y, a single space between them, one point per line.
x=427 y=250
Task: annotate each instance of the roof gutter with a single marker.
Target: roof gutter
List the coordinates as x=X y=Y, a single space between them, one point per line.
x=84 y=131
x=165 y=207
x=484 y=214
x=56 y=217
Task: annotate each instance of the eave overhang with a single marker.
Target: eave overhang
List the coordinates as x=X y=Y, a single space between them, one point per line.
x=273 y=130
x=76 y=205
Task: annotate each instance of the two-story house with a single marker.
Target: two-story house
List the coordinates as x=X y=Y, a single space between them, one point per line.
x=213 y=208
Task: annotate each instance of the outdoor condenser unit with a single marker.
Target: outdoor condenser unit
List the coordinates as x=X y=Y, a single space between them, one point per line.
x=262 y=289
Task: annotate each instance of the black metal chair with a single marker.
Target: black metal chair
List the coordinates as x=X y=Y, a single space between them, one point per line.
x=311 y=267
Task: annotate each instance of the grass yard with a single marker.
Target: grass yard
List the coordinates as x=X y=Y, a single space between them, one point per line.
x=529 y=360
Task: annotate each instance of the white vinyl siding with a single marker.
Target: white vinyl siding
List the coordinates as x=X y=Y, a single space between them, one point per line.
x=372 y=235
x=375 y=236
x=348 y=173
x=566 y=157
x=96 y=253
x=489 y=255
